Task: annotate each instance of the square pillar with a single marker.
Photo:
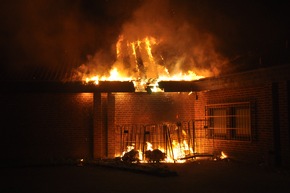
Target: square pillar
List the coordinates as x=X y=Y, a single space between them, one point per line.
x=100 y=126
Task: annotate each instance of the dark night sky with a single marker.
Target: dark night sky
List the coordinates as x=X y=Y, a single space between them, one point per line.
x=55 y=33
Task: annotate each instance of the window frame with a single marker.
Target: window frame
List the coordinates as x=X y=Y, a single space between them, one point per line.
x=225 y=121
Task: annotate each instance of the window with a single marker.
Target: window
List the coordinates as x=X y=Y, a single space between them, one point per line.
x=229 y=121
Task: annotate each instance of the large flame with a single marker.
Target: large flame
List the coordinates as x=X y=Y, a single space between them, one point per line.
x=137 y=62
x=156 y=44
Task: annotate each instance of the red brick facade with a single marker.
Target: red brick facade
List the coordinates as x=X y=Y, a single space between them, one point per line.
x=259 y=148
x=58 y=126
x=143 y=108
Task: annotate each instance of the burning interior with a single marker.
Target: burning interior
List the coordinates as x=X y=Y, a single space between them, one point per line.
x=155 y=143
x=157 y=127
x=167 y=142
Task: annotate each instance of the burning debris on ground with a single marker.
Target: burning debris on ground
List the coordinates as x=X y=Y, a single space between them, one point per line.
x=131 y=156
x=154 y=156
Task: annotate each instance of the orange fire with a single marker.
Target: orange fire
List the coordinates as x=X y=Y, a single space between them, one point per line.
x=138 y=61
x=156 y=44
x=223 y=155
x=115 y=75
x=179 y=151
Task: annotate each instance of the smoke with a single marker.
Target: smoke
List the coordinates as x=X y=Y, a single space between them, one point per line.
x=38 y=31
x=202 y=36
x=54 y=37
x=177 y=42
x=65 y=35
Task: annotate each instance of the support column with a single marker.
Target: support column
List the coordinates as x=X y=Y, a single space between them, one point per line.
x=111 y=126
x=100 y=134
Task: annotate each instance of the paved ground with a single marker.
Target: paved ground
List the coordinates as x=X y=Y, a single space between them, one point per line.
x=197 y=176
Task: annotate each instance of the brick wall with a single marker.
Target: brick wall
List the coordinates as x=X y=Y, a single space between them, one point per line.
x=51 y=127
x=46 y=127
x=144 y=109
x=100 y=134
x=156 y=108
x=260 y=148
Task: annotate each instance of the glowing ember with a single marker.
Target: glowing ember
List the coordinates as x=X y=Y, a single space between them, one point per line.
x=223 y=155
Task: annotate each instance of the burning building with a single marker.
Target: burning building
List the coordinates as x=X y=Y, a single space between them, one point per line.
x=159 y=97
x=244 y=115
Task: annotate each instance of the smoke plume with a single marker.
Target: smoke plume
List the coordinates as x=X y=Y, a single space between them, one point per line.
x=177 y=44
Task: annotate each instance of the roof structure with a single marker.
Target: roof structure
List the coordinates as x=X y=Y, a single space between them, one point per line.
x=59 y=79
x=243 y=79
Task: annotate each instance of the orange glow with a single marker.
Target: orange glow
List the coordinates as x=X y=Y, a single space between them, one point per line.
x=115 y=75
x=149 y=146
x=142 y=67
x=223 y=155
x=148 y=48
x=179 y=151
